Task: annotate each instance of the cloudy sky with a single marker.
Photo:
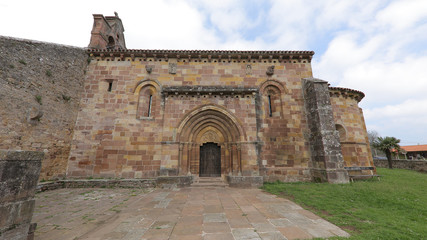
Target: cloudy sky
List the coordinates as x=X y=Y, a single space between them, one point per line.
x=375 y=46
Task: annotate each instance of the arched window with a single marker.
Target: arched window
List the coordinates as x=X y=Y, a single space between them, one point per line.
x=111 y=42
x=272 y=101
x=341 y=130
x=146 y=102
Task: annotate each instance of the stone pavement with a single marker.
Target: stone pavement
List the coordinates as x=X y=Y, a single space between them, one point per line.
x=186 y=213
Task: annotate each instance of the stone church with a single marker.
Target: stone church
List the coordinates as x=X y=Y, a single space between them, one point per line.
x=245 y=116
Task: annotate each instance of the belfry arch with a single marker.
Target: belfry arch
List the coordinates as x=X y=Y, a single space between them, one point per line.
x=210 y=124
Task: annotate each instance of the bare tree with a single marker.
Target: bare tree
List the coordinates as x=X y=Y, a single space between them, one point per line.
x=373 y=136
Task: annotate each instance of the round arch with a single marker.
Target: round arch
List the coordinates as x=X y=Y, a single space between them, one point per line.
x=210 y=115
x=274 y=83
x=210 y=124
x=142 y=83
x=147 y=93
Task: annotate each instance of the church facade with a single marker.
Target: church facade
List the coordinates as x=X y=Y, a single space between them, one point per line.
x=229 y=114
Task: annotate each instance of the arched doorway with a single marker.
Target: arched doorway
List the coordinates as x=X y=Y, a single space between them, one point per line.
x=210 y=141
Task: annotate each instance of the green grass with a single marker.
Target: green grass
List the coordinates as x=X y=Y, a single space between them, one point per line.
x=393 y=208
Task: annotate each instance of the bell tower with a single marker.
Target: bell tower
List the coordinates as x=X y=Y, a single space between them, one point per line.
x=107 y=32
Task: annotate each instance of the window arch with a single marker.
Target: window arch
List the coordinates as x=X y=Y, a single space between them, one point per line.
x=111 y=42
x=147 y=94
x=146 y=102
x=342 y=132
x=272 y=93
x=272 y=101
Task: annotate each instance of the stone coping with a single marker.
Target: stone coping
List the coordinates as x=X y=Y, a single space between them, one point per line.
x=30 y=41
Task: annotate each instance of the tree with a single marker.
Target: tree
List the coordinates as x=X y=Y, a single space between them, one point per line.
x=373 y=136
x=387 y=144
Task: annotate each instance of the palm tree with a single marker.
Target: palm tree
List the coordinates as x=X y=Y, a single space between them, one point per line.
x=387 y=144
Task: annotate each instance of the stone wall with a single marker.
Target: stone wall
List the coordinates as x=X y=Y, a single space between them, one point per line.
x=350 y=124
x=19 y=173
x=417 y=165
x=40 y=88
x=116 y=137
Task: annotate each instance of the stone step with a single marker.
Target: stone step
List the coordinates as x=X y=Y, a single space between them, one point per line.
x=209 y=182
x=210 y=179
x=202 y=185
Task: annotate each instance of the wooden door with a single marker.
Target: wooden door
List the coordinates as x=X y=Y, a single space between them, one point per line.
x=210 y=160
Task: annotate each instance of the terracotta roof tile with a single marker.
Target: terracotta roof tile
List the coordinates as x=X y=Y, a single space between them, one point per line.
x=415 y=148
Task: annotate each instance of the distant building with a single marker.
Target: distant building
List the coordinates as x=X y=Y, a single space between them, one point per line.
x=415 y=151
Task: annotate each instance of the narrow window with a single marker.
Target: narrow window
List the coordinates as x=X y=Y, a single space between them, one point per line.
x=270 y=112
x=111 y=43
x=149 y=106
x=110 y=86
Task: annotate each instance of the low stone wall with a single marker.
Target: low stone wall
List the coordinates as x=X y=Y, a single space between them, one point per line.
x=245 y=181
x=162 y=182
x=417 y=165
x=19 y=173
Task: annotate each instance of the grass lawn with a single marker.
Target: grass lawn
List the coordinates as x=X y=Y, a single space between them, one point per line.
x=393 y=208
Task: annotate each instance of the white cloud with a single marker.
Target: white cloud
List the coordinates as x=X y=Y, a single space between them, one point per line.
x=383 y=54
x=401 y=15
x=405 y=121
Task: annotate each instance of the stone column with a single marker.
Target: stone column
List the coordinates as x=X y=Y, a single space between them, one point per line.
x=181 y=164
x=239 y=158
x=326 y=155
x=19 y=173
x=197 y=157
x=188 y=146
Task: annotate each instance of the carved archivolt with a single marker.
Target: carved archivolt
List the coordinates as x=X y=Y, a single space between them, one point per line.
x=205 y=124
x=210 y=136
x=213 y=118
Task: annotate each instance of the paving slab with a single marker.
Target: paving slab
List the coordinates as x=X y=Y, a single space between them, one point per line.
x=179 y=213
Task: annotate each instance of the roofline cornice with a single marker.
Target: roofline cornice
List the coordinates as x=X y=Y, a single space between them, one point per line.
x=346 y=92
x=203 y=54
